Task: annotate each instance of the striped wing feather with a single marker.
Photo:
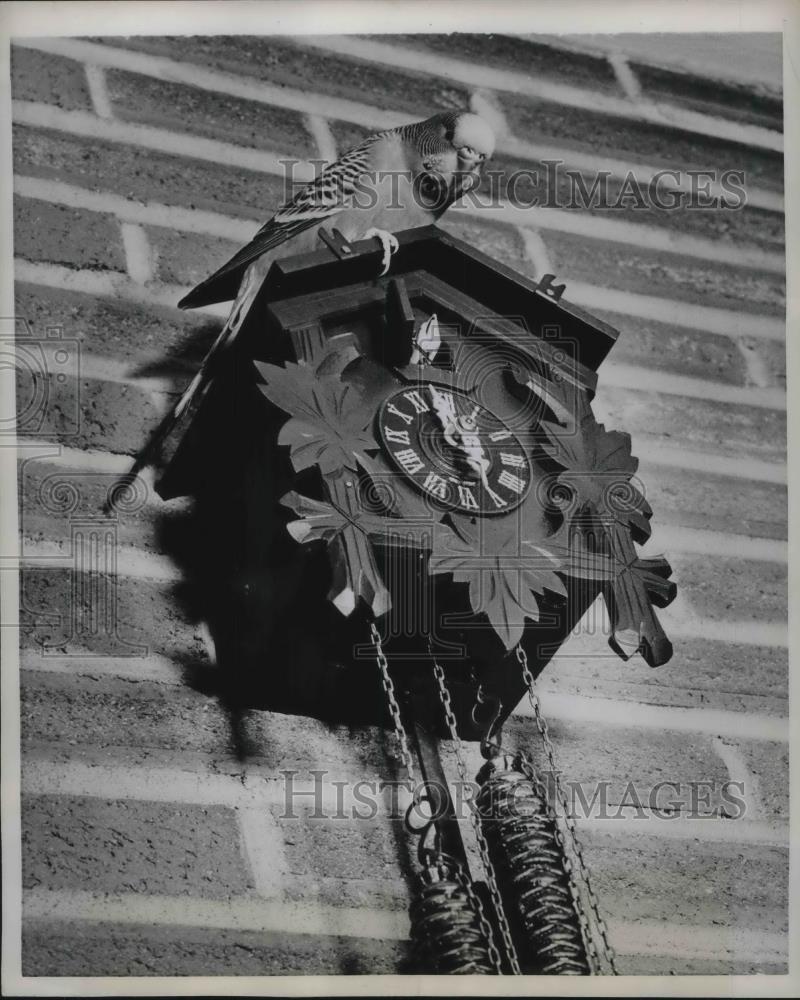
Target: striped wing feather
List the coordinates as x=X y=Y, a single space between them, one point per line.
x=321 y=199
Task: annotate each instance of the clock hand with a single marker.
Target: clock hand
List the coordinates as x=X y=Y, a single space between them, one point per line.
x=470 y=441
x=474 y=453
x=445 y=412
x=459 y=431
x=462 y=434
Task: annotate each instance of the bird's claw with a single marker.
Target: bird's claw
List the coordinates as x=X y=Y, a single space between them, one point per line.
x=388 y=243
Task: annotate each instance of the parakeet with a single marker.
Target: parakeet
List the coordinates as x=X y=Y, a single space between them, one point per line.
x=394 y=180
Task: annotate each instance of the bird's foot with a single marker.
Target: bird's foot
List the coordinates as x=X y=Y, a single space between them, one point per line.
x=388 y=243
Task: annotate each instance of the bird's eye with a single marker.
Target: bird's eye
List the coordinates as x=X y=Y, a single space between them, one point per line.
x=467 y=153
x=433 y=189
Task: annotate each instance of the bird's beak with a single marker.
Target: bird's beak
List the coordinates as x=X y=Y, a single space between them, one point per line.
x=466 y=180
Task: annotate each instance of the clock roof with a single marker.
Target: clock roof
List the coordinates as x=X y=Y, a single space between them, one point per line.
x=457 y=265
x=340 y=278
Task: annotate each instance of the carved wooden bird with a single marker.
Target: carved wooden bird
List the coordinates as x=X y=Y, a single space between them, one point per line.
x=394 y=180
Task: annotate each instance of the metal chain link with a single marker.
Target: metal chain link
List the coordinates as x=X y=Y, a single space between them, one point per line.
x=569 y=822
x=483 y=846
x=394 y=707
x=405 y=753
x=483 y=920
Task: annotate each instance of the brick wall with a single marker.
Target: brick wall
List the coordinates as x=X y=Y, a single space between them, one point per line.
x=141 y=163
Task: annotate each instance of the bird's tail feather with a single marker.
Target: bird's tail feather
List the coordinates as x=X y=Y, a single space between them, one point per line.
x=193 y=393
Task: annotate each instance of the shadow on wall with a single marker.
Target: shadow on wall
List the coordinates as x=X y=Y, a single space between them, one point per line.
x=262 y=596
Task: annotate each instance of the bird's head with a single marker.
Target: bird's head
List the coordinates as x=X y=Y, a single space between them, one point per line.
x=453 y=147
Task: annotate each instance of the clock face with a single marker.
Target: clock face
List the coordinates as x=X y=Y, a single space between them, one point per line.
x=454 y=450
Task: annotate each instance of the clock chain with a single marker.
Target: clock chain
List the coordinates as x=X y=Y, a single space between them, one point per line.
x=441 y=872
x=391 y=699
x=566 y=820
x=483 y=846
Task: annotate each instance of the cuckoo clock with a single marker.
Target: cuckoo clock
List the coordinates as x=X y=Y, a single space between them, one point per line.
x=409 y=467
x=419 y=451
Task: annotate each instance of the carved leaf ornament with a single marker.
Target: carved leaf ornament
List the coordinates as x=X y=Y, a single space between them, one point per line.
x=512 y=564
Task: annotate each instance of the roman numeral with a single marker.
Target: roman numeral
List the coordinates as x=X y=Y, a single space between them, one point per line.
x=466 y=498
x=515 y=461
x=500 y=435
x=416 y=401
x=436 y=485
x=410 y=460
x=399 y=413
x=511 y=482
x=397 y=437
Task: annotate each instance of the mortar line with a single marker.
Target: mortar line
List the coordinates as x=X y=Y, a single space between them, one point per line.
x=567 y=707
x=50 y=552
x=188 y=220
x=706 y=319
x=138 y=253
x=641 y=235
x=249 y=793
x=163 y=67
x=180 y=144
x=657 y=452
x=626 y=78
x=471 y=74
x=109 y=285
x=658 y=455
x=87 y=125
x=536 y=251
x=595 y=163
x=638 y=715
x=739 y=773
x=314 y=918
x=263 y=850
x=666 y=537
x=614 y=376
x=655 y=380
x=758 y=373
x=98 y=90
x=323 y=137
x=673 y=312
x=132 y=563
x=309 y=918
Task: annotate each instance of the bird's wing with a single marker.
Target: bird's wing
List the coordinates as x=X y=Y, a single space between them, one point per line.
x=321 y=199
